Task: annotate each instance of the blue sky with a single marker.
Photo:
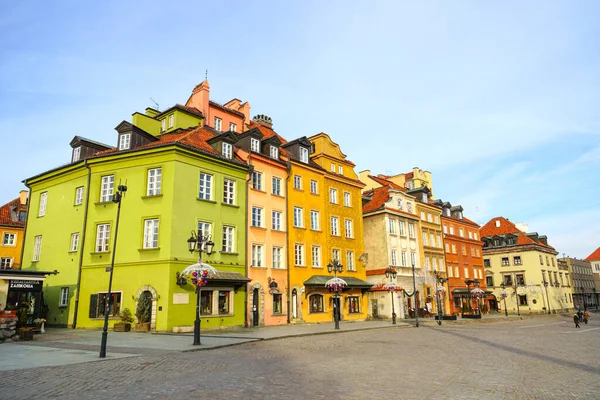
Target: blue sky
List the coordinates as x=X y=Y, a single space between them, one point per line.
x=499 y=100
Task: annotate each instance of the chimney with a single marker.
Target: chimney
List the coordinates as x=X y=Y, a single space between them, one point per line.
x=200 y=98
x=264 y=120
x=23 y=197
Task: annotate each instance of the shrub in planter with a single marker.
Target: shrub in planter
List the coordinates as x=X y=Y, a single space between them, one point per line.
x=142 y=312
x=126 y=320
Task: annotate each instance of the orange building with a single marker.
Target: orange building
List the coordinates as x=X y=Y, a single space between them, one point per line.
x=464 y=262
x=12 y=227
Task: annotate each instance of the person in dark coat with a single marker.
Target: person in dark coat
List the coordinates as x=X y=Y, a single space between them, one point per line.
x=576 y=320
x=579 y=314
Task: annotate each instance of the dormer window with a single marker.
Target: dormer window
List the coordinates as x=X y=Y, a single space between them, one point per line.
x=163 y=125
x=227 y=150
x=124 y=141
x=400 y=204
x=304 y=154
x=232 y=127
x=424 y=197
x=274 y=152
x=218 y=123
x=171 y=120
x=255 y=145
x=76 y=154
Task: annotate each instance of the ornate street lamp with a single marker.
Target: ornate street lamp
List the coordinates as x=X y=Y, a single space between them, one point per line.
x=469 y=282
x=547 y=298
x=391 y=273
x=335 y=285
x=478 y=293
x=439 y=293
x=199 y=273
x=504 y=295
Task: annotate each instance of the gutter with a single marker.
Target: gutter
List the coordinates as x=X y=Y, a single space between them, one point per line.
x=85 y=212
x=288 y=168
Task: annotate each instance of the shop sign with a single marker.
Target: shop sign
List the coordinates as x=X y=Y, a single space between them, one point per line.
x=24 y=286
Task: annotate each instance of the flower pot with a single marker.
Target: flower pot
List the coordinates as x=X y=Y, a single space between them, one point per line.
x=26 y=334
x=143 y=327
x=121 y=327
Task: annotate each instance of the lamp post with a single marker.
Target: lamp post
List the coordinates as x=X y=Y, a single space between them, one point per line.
x=117 y=197
x=198 y=242
x=391 y=273
x=438 y=294
x=416 y=296
x=547 y=298
x=469 y=282
x=504 y=294
x=335 y=285
x=478 y=295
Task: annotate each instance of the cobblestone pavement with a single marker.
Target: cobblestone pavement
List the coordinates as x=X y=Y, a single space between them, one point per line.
x=541 y=358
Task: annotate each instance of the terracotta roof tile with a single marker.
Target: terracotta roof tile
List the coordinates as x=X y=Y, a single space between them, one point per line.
x=385 y=182
x=380 y=196
x=5 y=215
x=506 y=227
x=594 y=256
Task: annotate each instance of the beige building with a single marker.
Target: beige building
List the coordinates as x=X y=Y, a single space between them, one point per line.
x=582 y=282
x=410 y=180
x=594 y=259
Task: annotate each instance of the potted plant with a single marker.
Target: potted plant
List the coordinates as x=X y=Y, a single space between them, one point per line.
x=126 y=320
x=142 y=312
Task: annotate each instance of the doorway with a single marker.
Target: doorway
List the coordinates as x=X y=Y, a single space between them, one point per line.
x=255 y=307
x=294 y=304
x=374 y=309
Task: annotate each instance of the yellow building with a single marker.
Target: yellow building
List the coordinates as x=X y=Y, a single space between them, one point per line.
x=325 y=223
x=12 y=225
x=410 y=180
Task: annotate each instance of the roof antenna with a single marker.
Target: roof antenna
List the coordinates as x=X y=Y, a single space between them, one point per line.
x=155 y=103
x=206 y=75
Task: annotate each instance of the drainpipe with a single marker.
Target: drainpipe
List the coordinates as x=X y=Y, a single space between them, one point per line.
x=26 y=222
x=250 y=169
x=85 y=213
x=288 y=168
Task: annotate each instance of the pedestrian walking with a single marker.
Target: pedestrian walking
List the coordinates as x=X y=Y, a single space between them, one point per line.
x=586 y=316
x=579 y=314
x=576 y=320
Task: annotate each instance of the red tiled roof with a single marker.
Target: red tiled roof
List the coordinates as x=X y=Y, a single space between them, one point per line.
x=594 y=256
x=5 y=217
x=384 y=182
x=408 y=175
x=506 y=227
x=267 y=132
x=380 y=196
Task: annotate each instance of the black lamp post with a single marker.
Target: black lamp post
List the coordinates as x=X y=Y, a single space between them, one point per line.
x=391 y=273
x=547 y=298
x=117 y=197
x=335 y=267
x=415 y=295
x=441 y=280
x=469 y=282
x=476 y=285
x=503 y=293
x=199 y=243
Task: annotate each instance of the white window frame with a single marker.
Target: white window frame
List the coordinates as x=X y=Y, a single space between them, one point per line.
x=163 y=125
x=228 y=191
x=154 y=182
x=303 y=154
x=255 y=145
x=299 y=254
x=340 y=170
x=151 y=227
x=205 y=229
x=394 y=258
x=6 y=262
x=257 y=217
x=228 y=239
x=257 y=255
x=403 y=255
x=348 y=229
x=124 y=141
x=316 y=257
x=392 y=226
x=314 y=187
x=218 y=123
x=74 y=246
x=411 y=231
x=43 y=204
x=402 y=231
x=277 y=257
x=314 y=220
x=76 y=154
x=79 y=196
x=102 y=238
x=206 y=186
x=298 y=217
x=276 y=186
x=347 y=199
x=297 y=182
x=332 y=167
x=335 y=255
x=227 y=150
x=257 y=180
x=37 y=248
x=274 y=152
x=276 y=220
x=232 y=127
x=335 y=226
x=333 y=196
x=9 y=239
x=350 y=264
x=107 y=187
x=63 y=300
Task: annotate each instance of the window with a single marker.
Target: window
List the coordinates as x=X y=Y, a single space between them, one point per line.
x=106 y=188
x=98 y=304
x=332 y=167
x=171 y=120
x=409 y=207
x=461 y=232
x=256 y=180
x=315 y=303
x=277 y=257
x=277 y=303
x=456 y=272
x=394 y=257
x=276 y=221
x=517 y=260
x=299 y=255
x=79 y=195
x=486 y=262
x=400 y=204
x=218 y=123
x=429 y=217
x=470 y=235
x=335 y=229
x=431 y=240
x=348 y=226
x=224 y=302
x=451 y=229
x=436 y=218
x=316 y=256
x=228 y=239
x=297 y=182
x=447 y=247
x=340 y=170
x=205 y=230
x=206 y=182
x=450 y=275
x=254 y=145
x=276 y=186
x=350 y=261
x=228 y=191
x=403 y=259
x=466 y=272
x=257 y=255
x=333 y=196
x=523 y=300
x=274 y=152
x=232 y=127
x=304 y=155
x=438 y=240
x=43 y=200
x=520 y=278
x=445 y=229
x=154 y=181
x=411 y=230
x=313 y=187
x=489 y=281
x=392 y=225
x=37 y=248
x=423 y=215
x=314 y=220
x=64 y=297
x=76 y=154
x=102 y=237
x=547 y=261
x=298 y=217
x=402 y=228
x=124 y=141
x=347 y=199
x=508 y=280
x=151 y=234
x=434 y=262
x=227 y=150
x=163 y=125
x=505 y=261
x=74 y=242
x=353 y=305
x=335 y=254
x=453 y=249
x=475 y=235
x=464 y=249
x=541 y=260
x=413 y=259
x=552 y=259
x=257 y=216
x=206 y=302
x=9 y=239
x=425 y=239
x=5 y=263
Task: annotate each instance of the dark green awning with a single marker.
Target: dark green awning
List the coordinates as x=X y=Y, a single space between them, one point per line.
x=353 y=283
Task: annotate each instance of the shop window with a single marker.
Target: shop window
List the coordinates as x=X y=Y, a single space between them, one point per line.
x=223 y=302
x=353 y=305
x=206 y=302
x=522 y=300
x=98 y=305
x=277 y=303
x=315 y=303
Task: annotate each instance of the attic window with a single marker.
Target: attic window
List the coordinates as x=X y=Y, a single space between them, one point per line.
x=163 y=125
x=232 y=127
x=124 y=141
x=255 y=145
x=274 y=152
x=304 y=154
x=76 y=154
x=171 y=120
x=227 y=150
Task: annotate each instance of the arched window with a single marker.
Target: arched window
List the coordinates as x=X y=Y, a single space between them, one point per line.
x=315 y=303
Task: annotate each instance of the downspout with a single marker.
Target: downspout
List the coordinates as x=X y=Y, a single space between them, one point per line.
x=85 y=213
x=250 y=169
x=26 y=223
x=288 y=168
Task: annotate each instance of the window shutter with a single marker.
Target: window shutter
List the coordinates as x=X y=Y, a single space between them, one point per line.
x=93 y=306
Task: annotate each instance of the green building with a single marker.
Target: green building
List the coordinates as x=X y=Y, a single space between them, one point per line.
x=181 y=176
